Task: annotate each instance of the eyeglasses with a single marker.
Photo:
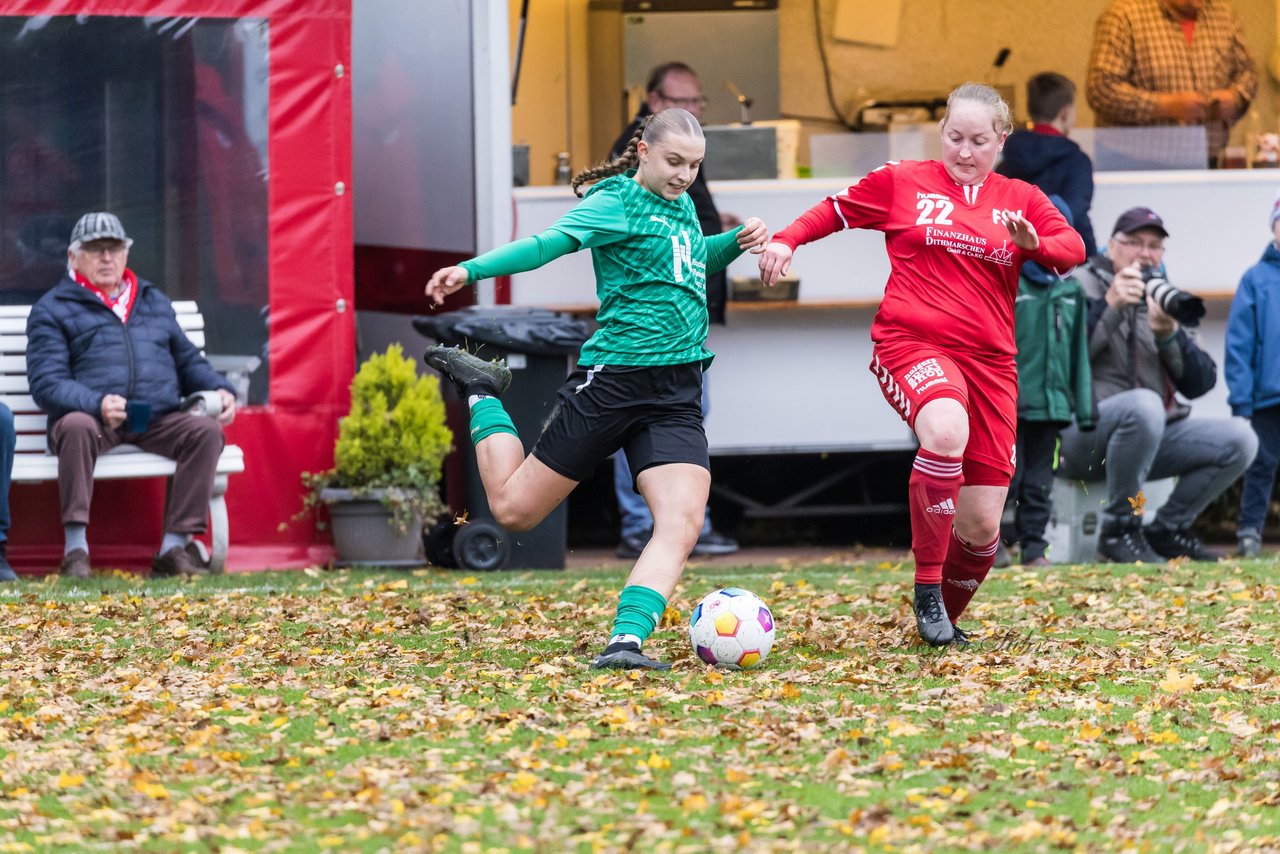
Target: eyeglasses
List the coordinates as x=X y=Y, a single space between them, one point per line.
x=700 y=101
x=1129 y=242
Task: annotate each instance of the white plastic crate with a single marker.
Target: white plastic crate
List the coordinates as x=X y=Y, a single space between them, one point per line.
x=1072 y=532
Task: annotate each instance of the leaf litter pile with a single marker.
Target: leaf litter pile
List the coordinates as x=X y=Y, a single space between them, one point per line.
x=1102 y=707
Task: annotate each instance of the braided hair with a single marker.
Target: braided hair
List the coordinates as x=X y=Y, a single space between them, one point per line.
x=653 y=129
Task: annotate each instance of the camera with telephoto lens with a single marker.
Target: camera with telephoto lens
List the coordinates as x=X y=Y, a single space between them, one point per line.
x=1183 y=307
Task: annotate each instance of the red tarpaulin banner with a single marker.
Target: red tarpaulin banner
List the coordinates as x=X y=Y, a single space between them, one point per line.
x=311 y=335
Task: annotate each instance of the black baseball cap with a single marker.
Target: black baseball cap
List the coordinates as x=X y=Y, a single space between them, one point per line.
x=1136 y=219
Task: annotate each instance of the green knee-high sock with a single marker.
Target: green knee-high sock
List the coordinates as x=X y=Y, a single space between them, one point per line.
x=639 y=610
x=488 y=417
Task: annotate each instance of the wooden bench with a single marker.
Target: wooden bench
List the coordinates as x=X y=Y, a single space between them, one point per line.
x=33 y=463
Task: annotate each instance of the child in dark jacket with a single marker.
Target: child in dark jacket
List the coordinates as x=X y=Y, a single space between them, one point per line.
x=1046 y=157
x=1054 y=385
x=1252 y=368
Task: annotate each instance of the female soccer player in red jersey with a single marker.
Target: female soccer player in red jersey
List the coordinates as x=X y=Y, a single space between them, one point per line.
x=957 y=234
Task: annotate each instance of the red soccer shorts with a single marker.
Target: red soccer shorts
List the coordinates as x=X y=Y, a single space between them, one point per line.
x=911 y=373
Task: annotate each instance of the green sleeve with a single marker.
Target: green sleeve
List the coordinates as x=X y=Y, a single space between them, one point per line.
x=721 y=249
x=528 y=253
x=598 y=220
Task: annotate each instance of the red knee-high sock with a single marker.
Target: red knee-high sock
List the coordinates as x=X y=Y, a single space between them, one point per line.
x=963 y=572
x=932 y=491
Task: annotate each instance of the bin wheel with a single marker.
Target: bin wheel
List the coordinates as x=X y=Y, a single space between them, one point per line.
x=437 y=542
x=481 y=546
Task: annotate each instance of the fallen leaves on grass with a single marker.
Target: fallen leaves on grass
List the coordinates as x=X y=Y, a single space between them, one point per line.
x=436 y=711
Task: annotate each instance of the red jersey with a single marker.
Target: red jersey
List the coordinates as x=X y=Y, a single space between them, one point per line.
x=953 y=269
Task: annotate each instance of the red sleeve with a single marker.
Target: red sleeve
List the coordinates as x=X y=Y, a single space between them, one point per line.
x=1060 y=245
x=864 y=205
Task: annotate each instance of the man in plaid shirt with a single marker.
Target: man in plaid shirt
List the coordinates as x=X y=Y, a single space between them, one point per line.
x=1171 y=62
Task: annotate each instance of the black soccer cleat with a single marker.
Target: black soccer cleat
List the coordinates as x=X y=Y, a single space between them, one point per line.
x=626 y=656
x=471 y=374
x=961 y=636
x=932 y=622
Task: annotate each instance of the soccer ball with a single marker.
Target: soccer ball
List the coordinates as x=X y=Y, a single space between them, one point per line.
x=731 y=628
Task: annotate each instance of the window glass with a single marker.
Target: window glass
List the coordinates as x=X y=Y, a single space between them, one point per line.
x=162 y=121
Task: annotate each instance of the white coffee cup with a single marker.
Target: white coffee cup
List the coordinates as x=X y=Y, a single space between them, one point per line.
x=203 y=403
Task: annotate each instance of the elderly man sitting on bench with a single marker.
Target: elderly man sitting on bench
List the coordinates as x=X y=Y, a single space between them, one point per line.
x=108 y=362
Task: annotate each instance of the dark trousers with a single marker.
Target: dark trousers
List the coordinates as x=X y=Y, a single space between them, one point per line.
x=194 y=442
x=1260 y=476
x=1032 y=485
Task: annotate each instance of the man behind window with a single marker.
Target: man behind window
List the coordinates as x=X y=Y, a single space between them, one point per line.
x=1171 y=62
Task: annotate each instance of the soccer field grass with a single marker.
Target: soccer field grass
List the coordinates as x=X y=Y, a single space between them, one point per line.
x=1102 y=707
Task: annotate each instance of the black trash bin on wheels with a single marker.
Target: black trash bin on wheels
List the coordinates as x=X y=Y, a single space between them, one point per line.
x=538 y=345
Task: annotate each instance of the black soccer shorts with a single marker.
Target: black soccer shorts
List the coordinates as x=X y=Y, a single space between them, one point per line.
x=654 y=413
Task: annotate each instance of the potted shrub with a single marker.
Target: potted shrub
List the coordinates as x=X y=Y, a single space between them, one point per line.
x=387 y=463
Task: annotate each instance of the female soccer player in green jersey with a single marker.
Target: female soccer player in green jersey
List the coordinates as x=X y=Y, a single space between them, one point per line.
x=638 y=384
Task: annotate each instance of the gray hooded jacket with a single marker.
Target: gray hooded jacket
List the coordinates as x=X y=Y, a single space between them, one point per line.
x=1123 y=352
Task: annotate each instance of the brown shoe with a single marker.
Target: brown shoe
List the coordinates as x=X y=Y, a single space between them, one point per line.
x=75 y=564
x=176 y=561
x=196 y=551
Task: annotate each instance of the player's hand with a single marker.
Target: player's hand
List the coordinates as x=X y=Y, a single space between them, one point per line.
x=445 y=281
x=1162 y=325
x=113 y=411
x=1188 y=108
x=1021 y=230
x=775 y=261
x=753 y=235
x=1127 y=287
x=228 y=413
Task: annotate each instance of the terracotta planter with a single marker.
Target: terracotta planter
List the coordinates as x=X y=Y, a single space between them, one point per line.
x=363 y=534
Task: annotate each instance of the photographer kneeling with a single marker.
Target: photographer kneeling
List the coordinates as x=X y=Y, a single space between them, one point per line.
x=1141 y=355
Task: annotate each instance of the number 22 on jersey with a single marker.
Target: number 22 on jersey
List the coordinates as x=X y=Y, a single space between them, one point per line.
x=934 y=212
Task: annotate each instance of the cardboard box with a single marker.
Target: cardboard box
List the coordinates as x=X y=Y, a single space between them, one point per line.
x=751 y=289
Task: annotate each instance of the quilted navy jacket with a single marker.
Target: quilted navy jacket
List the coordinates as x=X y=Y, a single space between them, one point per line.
x=78 y=352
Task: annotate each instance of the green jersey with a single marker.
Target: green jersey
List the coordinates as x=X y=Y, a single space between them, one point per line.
x=650 y=262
